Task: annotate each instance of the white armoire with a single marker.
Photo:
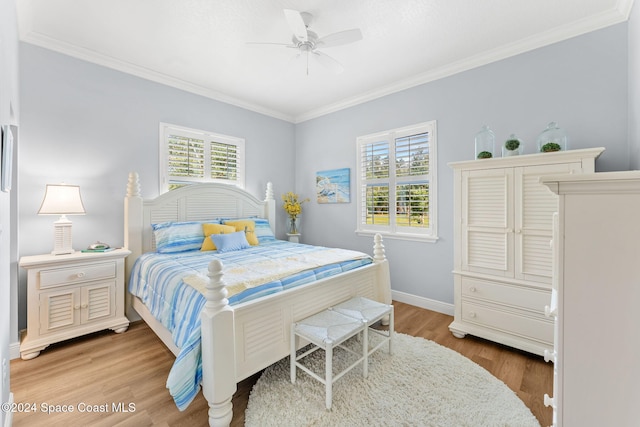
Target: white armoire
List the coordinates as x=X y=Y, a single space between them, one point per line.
x=596 y=300
x=502 y=234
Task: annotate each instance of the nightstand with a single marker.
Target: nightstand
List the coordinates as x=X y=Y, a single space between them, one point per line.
x=72 y=295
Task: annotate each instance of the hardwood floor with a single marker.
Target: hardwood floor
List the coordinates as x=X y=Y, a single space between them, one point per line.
x=100 y=370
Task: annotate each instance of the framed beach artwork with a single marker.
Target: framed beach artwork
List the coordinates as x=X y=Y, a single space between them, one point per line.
x=333 y=186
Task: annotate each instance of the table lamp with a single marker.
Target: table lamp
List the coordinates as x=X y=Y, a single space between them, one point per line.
x=63 y=200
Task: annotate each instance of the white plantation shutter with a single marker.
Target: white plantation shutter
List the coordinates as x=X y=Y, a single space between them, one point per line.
x=396 y=182
x=190 y=156
x=225 y=161
x=186 y=157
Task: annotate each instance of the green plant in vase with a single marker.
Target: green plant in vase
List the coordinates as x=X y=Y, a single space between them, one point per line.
x=485 y=155
x=550 y=147
x=512 y=144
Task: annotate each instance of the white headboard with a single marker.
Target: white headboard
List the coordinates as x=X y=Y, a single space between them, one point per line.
x=195 y=202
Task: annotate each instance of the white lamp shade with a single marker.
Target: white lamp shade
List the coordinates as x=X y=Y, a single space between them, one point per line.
x=62 y=199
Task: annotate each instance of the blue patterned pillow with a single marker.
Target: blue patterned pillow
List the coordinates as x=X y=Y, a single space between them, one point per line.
x=263 y=230
x=174 y=237
x=230 y=242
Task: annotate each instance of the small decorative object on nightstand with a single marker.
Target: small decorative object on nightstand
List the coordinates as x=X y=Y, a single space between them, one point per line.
x=72 y=295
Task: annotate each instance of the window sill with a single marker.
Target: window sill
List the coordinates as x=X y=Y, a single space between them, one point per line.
x=399 y=236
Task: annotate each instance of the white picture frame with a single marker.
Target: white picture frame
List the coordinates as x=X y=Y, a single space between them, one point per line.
x=7 y=159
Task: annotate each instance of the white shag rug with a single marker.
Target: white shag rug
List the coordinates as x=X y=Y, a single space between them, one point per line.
x=421 y=384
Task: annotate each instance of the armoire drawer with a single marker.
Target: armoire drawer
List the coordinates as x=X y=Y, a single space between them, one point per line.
x=507 y=294
x=513 y=322
x=78 y=273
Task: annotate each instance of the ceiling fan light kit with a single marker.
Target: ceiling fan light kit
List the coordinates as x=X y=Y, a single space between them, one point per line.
x=307 y=42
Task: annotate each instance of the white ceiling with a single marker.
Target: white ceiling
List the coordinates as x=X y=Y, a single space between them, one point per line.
x=201 y=45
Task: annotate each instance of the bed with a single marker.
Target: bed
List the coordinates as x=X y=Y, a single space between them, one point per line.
x=248 y=335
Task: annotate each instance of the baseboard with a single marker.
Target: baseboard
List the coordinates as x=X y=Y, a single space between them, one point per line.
x=422 y=302
x=14 y=350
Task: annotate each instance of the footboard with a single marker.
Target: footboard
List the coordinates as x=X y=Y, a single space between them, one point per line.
x=256 y=334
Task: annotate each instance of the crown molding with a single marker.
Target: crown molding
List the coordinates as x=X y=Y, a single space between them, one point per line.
x=596 y=22
x=615 y=16
x=78 y=52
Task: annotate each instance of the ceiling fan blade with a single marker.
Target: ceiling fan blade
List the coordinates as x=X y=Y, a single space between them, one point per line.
x=268 y=43
x=340 y=38
x=296 y=24
x=328 y=62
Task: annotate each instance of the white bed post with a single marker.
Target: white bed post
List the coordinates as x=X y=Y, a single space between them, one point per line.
x=133 y=232
x=218 y=349
x=270 y=207
x=384 y=276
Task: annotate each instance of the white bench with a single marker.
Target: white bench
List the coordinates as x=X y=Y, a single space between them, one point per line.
x=330 y=328
x=370 y=312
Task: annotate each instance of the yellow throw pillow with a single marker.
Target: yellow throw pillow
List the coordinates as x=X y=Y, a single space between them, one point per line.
x=209 y=229
x=249 y=227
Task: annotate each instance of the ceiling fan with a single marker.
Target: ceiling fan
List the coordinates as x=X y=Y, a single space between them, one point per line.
x=307 y=42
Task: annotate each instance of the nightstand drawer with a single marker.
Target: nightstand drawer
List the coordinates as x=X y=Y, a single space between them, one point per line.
x=79 y=273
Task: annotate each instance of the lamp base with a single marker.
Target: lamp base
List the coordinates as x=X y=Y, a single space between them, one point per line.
x=62 y=238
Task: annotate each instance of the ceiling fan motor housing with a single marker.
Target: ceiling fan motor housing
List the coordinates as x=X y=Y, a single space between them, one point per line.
x=309 y=45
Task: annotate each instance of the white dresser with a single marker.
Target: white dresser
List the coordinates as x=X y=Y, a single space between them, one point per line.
x=502 y=234
x=596 y=300
x=72 y=295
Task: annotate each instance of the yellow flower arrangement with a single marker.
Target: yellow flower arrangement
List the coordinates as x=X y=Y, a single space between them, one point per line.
x=292 y=205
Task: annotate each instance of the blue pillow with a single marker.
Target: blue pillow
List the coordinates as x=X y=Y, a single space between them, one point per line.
x=230 y=242
x=178 y=236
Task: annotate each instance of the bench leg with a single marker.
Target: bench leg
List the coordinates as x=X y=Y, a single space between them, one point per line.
x=293 y=354
x=329 y=375
x=365 y=351
x=391 y=321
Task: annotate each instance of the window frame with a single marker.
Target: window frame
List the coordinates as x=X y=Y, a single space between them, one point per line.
x=393 y=230
x=167 y=129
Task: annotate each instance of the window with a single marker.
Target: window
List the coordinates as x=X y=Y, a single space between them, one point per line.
x=396 y=182
x=190 y=156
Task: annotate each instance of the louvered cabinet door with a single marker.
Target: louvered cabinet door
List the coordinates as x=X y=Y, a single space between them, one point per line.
x=534 y=208
x=98 y=302
x=487 y=221
x=59 y=309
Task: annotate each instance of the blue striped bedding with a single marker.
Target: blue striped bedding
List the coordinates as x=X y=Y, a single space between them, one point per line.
x=160 y=281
